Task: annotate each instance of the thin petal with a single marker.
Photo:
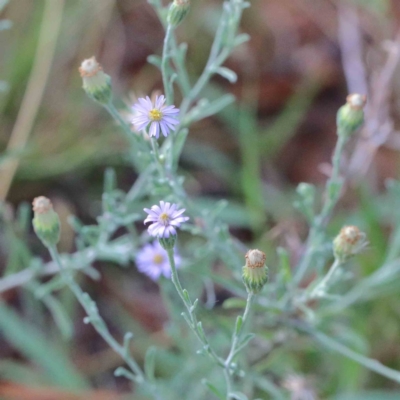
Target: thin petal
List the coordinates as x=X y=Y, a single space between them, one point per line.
x=154 y=130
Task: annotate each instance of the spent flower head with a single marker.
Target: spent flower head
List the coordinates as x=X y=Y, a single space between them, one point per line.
x=164 y=218
x=349 y=242
x=351 y=116
x=152 y=260
x=255 y=272
x=157 y=115
x=96 y=83
x=46 y=222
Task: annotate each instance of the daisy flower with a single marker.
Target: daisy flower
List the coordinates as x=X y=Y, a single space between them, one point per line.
x=164 y=219
x=159 y=116
x=152 y=260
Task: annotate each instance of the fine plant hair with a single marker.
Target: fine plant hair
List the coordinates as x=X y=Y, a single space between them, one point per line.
x=287 y=301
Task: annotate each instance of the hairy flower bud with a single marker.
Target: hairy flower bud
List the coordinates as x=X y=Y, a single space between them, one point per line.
x=178 y=11
x=351 y=116
x=255 y=272
x=349 y=242
x=46 y=223
x=96 y=83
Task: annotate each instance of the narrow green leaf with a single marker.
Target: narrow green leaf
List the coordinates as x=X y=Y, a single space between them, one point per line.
x=227 y=74
x=213 y=389
x=149 y=362
x=154 y=60
x=234 y=302
x=238 y=326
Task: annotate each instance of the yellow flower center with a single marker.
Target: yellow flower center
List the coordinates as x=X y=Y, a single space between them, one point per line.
x=155 y=115
x=164 y=218
x=158 y=259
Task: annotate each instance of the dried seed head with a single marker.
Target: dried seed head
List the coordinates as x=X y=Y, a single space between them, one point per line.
x=255 y=272
x=96 y=83
x=46 y=222
x=351 y=116
x=349 y=242
x=255 y=258
x=356 y=101
x=41 y=205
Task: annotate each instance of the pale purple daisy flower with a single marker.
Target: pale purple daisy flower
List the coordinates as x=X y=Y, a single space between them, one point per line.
x=152 y=260
x=165 y=219
x=159 y=116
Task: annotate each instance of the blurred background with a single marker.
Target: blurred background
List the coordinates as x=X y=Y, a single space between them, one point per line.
x=303 y=58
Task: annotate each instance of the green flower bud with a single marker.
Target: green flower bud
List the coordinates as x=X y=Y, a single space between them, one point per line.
x=96 y=83
x=178 y=11
x=255 y=272
x=167 y=243
x=348 y=243
x=351 y=116
x=46 y=223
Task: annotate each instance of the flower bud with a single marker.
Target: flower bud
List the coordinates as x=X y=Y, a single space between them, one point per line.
x=96 y=83
x=46 y=223
x=349 y=242
x=255 y=272
x=167 y=243
x=178 y=11
x=351 y=116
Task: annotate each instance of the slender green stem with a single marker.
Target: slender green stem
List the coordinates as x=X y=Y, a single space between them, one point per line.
x=192 y=319
x=194 y=325
x=156 y=152
x=237 y=335
x=332 y=192
x=235 y=342
x=218 y=54
x=138 y=147
x=117 y=116
x=168 y=90
x=98 y=323
x=320 y=289
x=183 y=76
x=228 y=383
x=369 y=363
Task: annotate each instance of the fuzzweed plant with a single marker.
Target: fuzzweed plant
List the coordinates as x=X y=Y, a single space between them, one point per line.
x=165 y=228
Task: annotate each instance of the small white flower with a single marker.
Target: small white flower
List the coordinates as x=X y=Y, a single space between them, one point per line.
x=165 y=218
x=152 y=260
x=159 y=116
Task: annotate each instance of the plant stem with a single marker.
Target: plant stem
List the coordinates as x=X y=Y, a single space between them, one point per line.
x=154 y=146
x=237 y=335
x=235 y=341
x=194 y=325
x=332 y=193
x=98 y=323
x=369 y=363
x=192 y=319
x=164 y=65
x=138 y=147
x=321 y=287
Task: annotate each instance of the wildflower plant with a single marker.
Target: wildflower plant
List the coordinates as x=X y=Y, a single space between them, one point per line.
x=296 y=299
